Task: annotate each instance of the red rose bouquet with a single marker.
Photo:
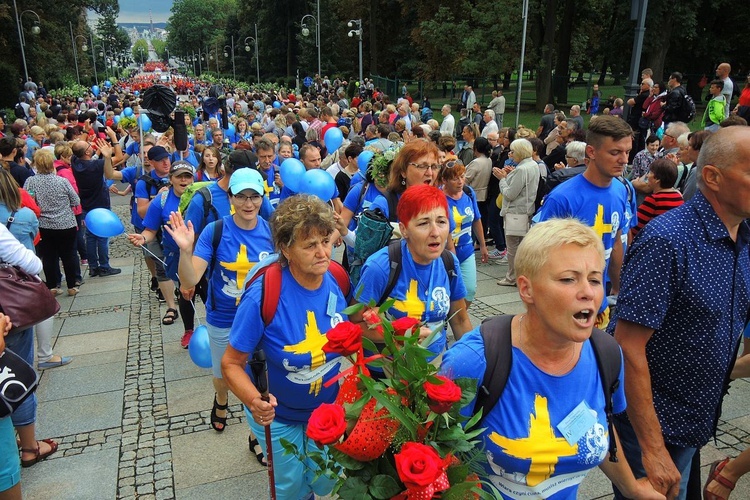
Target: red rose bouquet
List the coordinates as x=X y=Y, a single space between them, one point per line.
x=400 y=435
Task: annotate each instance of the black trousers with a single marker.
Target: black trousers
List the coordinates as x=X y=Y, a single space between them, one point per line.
x=56 y=245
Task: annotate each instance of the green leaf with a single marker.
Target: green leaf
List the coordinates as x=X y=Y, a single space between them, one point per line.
x=369 y=345
x=457 y=473
x=353 y=488
x=384 y=487
x=345 y=460
x=289 y=447
x=353 y=309
x=460 y=491
x=386 y=305
x=394 y=409
x=451 y=433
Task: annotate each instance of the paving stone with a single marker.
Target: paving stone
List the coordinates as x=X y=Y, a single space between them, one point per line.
x=94 y=323
x=83 y=381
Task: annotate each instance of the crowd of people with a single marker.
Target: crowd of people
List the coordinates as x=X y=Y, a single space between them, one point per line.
x=635 y=224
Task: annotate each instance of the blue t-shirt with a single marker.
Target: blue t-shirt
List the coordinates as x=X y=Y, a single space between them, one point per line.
x=463 y=212
x=272 y=190
x=158 y=215
x=238 y=251
x=601 y=208
x=422 y=292
x=528 y=457
x=147 y=192
x=133 y=148
x=352 y=200
x=131 y=176
x=293 y=342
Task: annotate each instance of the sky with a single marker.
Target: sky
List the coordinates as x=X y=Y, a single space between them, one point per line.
x=136 y=11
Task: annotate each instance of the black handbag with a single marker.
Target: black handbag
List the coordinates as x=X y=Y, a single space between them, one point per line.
x=24 y=298
x=18 y=381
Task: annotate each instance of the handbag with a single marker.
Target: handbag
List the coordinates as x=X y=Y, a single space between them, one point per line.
x=18 y=381
x=24 y=298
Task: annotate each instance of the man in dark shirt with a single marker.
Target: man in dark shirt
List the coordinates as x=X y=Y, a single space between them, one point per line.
x=680 y=316
x=89 y=174
x=634 y=116
x=547 y=122
x=673 y=104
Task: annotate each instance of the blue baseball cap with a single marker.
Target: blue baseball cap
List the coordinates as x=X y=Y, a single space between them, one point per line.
x=246 y=178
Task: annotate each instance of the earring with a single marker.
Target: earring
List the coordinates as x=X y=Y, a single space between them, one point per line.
x=403 y=181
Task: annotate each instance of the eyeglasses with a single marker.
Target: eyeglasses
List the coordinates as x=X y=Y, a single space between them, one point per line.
x=422 y=167
x=255 y=198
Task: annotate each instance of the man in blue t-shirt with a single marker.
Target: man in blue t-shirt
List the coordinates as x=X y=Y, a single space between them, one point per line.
x=592 y=197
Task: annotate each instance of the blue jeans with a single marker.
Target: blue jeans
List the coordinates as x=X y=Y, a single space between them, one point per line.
x=294 y=479
x=22 y=343
x=98 y=251
x=682 y=457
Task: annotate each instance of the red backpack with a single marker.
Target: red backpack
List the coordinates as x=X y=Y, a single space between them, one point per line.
x=271 y=289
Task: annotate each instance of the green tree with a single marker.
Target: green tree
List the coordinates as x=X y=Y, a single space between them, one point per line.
x=139 y=52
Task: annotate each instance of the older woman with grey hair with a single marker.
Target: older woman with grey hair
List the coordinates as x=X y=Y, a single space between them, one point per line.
x=518 y=186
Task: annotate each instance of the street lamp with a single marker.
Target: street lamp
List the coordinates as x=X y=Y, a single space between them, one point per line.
x=73 y=39
x=93 y=57
x=358 y=33
x=211 y=54
x=34 y=31
x=306 y=32
x=257 y=60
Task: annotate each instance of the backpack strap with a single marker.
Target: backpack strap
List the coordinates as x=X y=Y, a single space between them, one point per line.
x=392 y=205
x=468 y=192
x=609 y=362
x=394 y=257
x=342 y=277
x=207 y=204
x=362 y=192
x=215 y=240
x=11 y=219
x=498 y=353
x=163 y=198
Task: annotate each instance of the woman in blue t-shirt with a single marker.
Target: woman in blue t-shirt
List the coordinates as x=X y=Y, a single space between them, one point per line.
x=310 y=302
x=181 y=175
x=423 y=290
x=549 y=427
x=209 y=168
x=228 y=248
x=464 y=210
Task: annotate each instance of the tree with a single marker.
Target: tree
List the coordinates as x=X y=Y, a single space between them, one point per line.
x=140 y=51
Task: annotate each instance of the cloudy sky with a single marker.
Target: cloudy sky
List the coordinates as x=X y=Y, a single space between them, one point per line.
x=136 y=11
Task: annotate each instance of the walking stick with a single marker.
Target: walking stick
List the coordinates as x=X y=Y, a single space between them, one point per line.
x=260 y=373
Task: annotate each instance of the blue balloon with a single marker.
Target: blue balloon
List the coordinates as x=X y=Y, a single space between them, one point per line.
x=144 y=121
x=333 y=139
x=276 y=104
x=363 y=160
x=229 y=131
x=95 y=90
x=104 y=223
x=318 y=183
x=137 y=93
x=199 y=347
x=128 y=111
x=291 y=171
x=107 y=83
x=117 y=118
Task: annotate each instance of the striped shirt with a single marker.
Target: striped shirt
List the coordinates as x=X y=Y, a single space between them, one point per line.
x=656 y=204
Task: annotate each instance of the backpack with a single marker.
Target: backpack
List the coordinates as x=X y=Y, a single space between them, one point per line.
x=271 y=289
x=395 y=258
x=19 y=112
x=153 y=184
x=373 y=233
x=687 y=113
x=496 y=334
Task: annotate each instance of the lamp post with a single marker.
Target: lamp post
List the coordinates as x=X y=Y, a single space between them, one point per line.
x=93 y=57
x=227 y=50
x=358 y=33
x=103 y=55
x=167 y=51
x=257 y=60
x=34 y=30
x=525 y=17
x=74 y=39
x=211 y=54
x=306 y=32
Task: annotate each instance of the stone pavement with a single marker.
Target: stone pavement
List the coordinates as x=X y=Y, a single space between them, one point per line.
x=131 y=412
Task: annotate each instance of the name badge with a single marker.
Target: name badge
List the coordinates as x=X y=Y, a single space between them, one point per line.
x=331 y=307
x=577 y=423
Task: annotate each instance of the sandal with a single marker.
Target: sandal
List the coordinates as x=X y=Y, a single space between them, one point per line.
x=38 y=457
x=170 y=317
x=257 y=450
x=216 y=419
x=714 y=474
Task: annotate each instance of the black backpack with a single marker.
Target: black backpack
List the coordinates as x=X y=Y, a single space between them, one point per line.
x=687 y=113
x=19 y=112
x=498 y=352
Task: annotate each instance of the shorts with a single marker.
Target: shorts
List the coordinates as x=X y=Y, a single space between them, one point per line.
x=10 y=462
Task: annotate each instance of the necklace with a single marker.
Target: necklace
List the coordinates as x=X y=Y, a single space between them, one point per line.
x=549 y=366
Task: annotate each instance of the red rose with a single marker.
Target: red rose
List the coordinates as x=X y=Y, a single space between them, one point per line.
x=442 y=396
x=345 y=339
x=326 y=424
x=418 y=465
x=401 y=325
